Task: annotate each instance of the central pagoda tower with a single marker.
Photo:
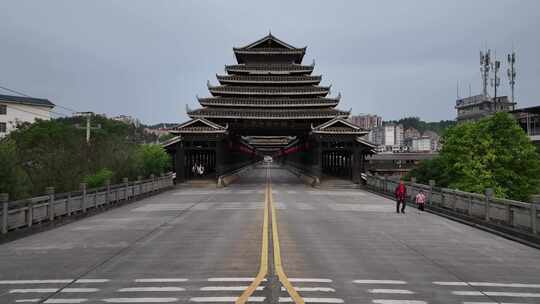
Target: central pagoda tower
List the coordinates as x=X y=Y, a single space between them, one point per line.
x=268 y=96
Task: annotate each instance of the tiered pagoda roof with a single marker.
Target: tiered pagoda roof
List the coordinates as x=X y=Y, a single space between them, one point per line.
x=274 y=69
x=268 y=83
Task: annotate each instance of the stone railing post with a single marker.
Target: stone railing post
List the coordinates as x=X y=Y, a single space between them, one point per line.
x=30 y=213
x=413 y=180
x=470 y=209
x=153 y=187
x=533 y=218
x=139 y=183
x=431 y=185
x=4 y=198
x=50 y=206
x=107 y=192
x=68 y=204
x=489 y=196
x=83 y=195
x=125 y=180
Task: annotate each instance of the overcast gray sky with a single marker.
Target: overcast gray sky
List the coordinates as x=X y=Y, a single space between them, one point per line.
x=149 y=59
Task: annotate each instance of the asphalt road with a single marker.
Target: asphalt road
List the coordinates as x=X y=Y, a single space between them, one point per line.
x=203 y=245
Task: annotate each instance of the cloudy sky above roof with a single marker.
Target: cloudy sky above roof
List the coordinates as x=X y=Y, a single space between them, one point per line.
x=149 y=59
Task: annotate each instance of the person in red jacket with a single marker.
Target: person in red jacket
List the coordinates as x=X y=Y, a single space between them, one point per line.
x=401 y=194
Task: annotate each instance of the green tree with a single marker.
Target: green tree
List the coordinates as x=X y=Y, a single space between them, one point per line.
x=492 y=153
x=13 y=179
x=153 y=159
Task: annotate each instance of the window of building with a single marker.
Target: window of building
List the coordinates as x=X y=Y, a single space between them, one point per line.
x=3 y=127
x=3 y=109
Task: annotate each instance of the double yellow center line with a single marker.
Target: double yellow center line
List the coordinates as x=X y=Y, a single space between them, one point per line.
x=263 y=270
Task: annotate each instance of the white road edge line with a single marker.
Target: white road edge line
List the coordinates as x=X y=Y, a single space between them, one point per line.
x=27 y=300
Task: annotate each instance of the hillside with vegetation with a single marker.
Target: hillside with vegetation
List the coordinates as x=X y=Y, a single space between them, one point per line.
x=55 y=153
x=422 y=126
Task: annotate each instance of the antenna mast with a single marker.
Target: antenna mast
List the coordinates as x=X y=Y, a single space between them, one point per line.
x=512 y=72
x=485 y=62
x=496 y=80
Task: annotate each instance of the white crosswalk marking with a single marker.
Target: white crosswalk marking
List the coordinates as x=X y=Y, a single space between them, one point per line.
x=50 y=290
x=379 y=282
x=383 y=301
x=223 y=299
x=2 y=282
x=393 y=291
x=231 y=279
x=497 y=294
x=488 y=284
x=228 y=288
x=311 y=280
x=65 y=301
x=86 y=281
x=140 y=300
x=152 y=289
x=304 y=206
x=162 y=280
x=312 y=289
x=312 y=300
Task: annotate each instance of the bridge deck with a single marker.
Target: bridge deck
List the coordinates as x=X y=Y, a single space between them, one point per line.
x=202 y=245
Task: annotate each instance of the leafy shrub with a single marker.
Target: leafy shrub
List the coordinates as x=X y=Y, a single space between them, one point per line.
x=99 y=178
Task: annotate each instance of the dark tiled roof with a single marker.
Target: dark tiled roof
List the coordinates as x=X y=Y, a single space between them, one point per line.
x=269 y=102
x=267 y=113
x=26 y=100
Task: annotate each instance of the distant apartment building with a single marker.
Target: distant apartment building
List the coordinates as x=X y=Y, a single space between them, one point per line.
x=421 y=144
x=15 y=110
x=411 y=133
x=367 y=122
x=479 y=106
x=388 y=138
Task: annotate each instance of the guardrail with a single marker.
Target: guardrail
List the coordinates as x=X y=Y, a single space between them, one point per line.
x=508 y=215
x=52 y=206
x=231 y=176
x=306 y=177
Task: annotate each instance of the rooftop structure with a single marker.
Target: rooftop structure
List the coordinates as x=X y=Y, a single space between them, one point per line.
x=480 y=106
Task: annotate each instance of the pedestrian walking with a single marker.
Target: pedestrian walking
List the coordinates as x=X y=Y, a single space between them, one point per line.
x=401 y=195
x=421 y=200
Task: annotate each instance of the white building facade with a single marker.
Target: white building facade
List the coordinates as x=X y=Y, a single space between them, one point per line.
x=15 y=110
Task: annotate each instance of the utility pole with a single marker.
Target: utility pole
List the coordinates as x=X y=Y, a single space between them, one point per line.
x=511 y=72
x=88 y=116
